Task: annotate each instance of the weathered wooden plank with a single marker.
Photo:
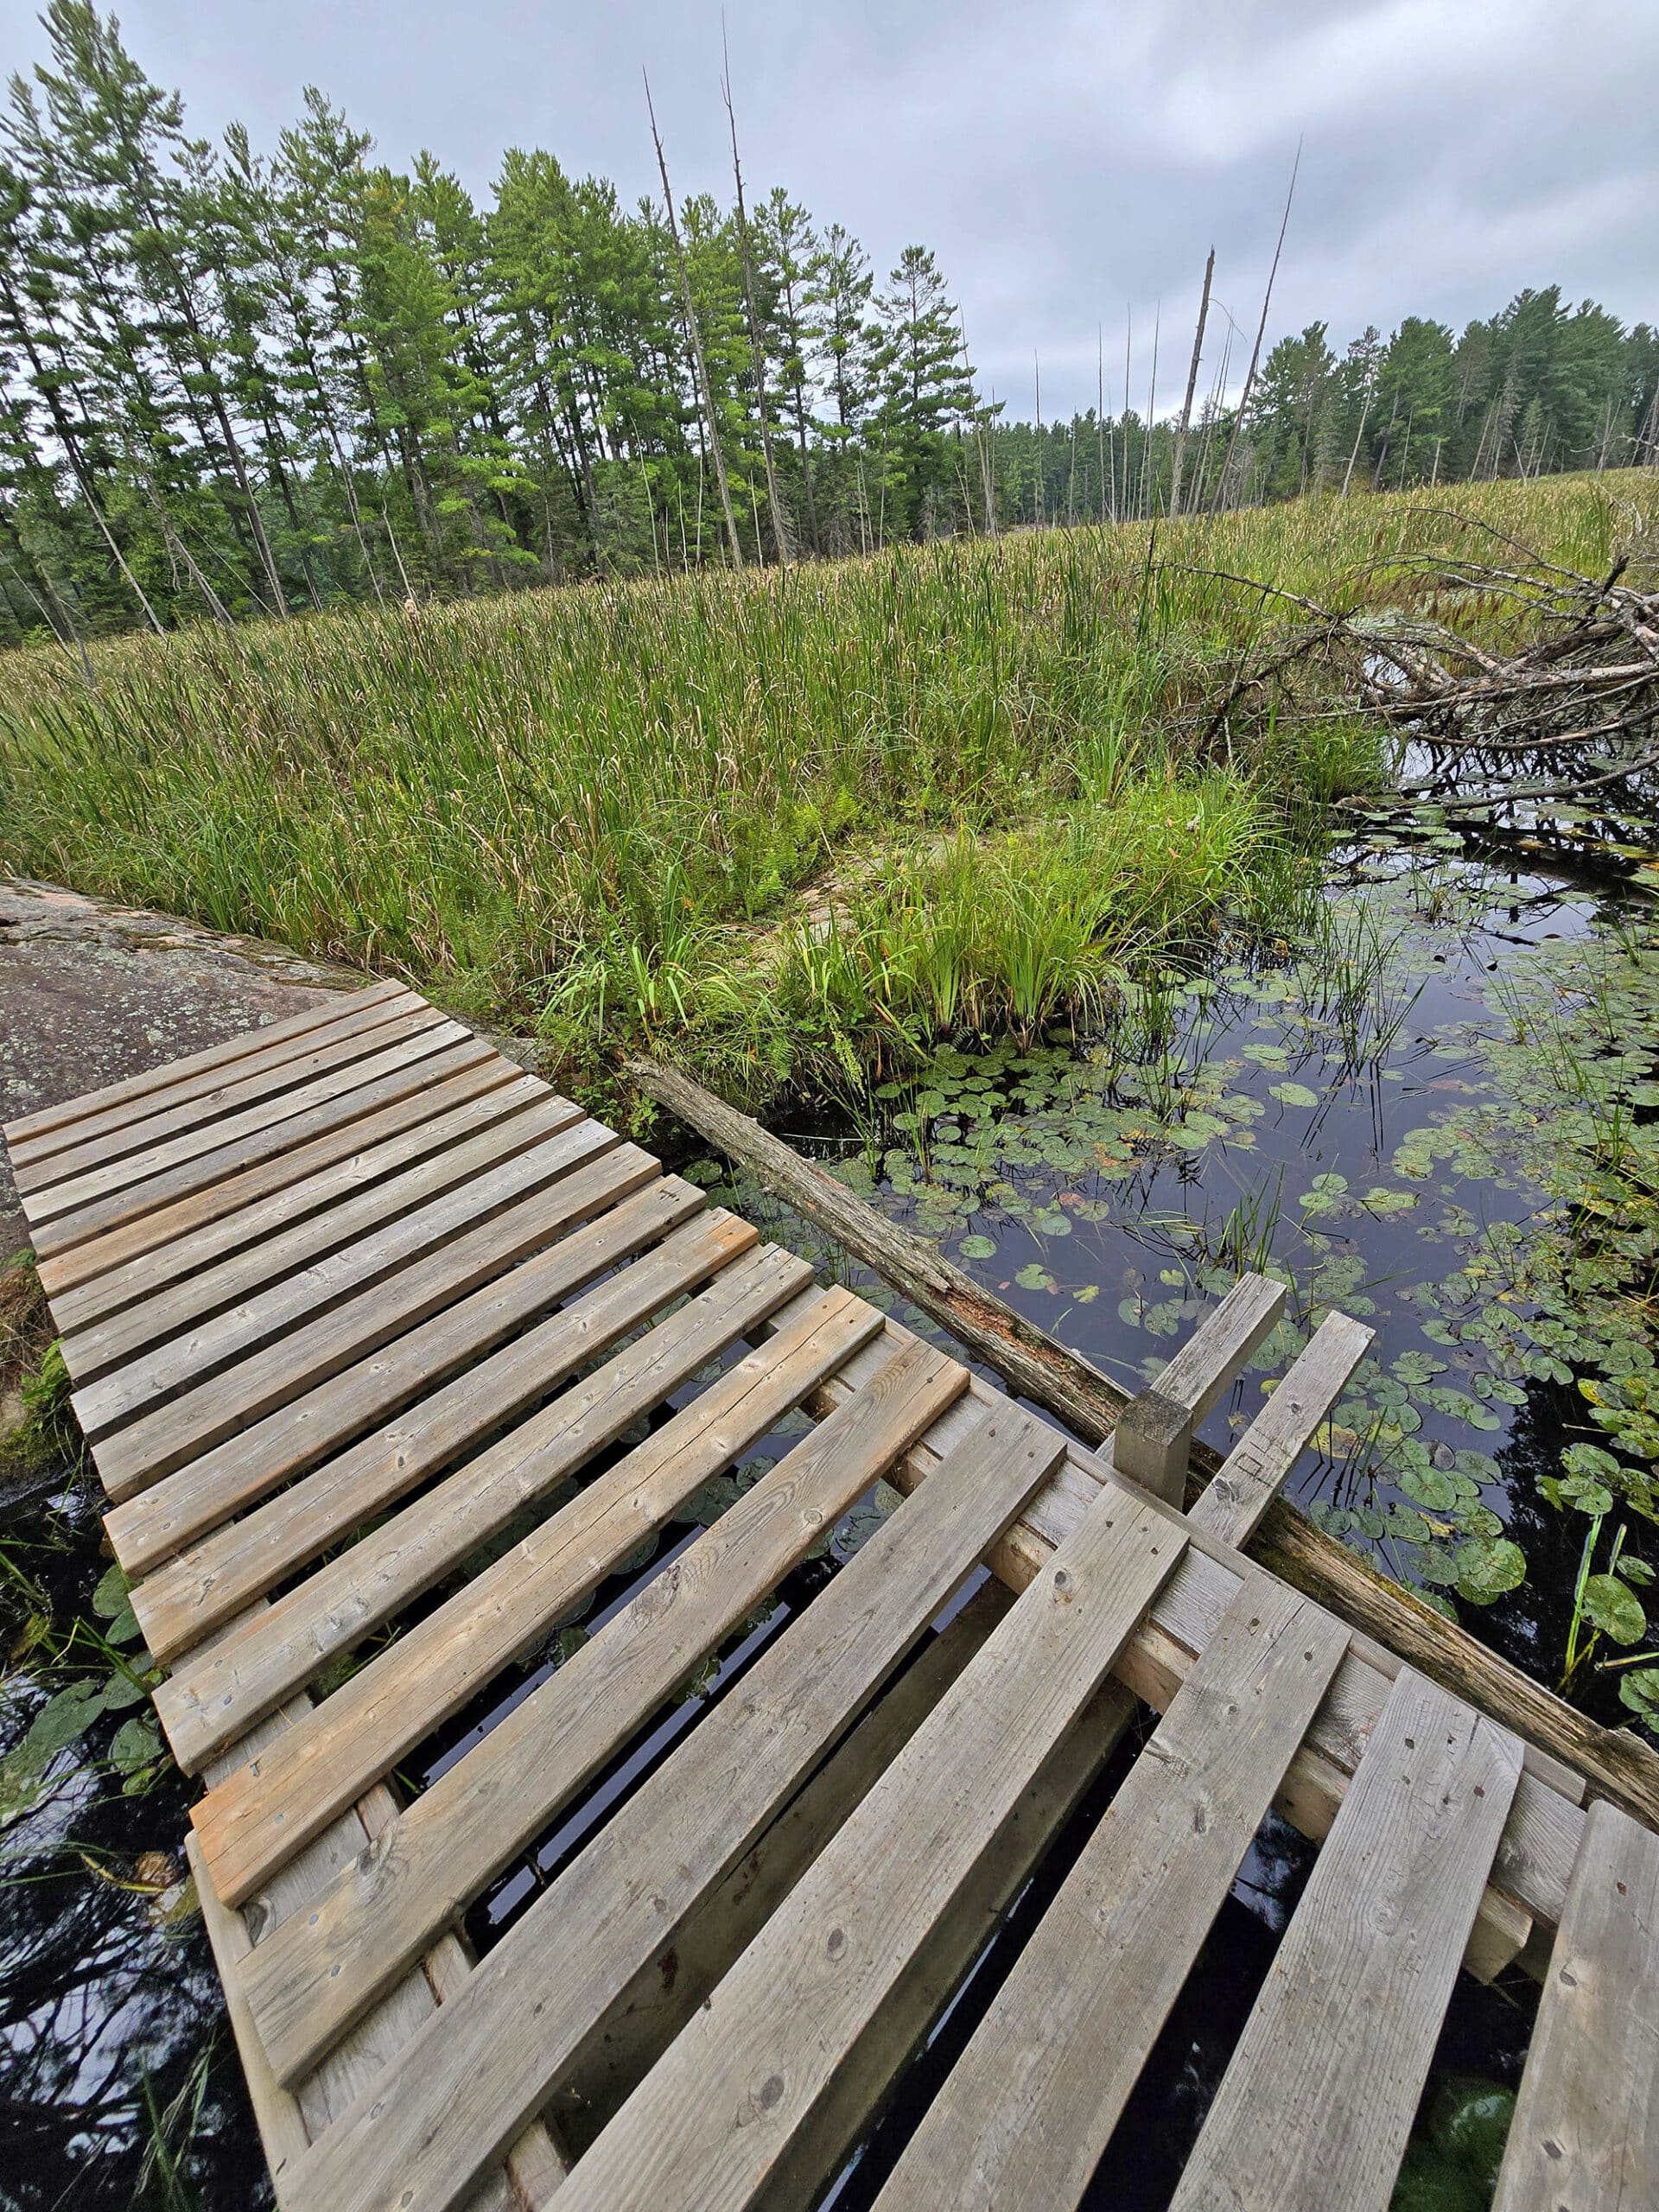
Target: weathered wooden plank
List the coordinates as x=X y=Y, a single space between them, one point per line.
x=559 y=1141
x=182 y=1429
x=345 y=1097
x=216 y=1695
x=457 y=1402
x=534 y=2167
x=449 y=2099
x=1029 y=2106
x=346 y=1005
x=190 y=1327
x=248 y=1826
x=276 y=2112
x=1586 y=2131
x=255 y=1082
x=475 y=1817
x=1251 y=1474
x=1316 y=2106
x=711 y=2122
x=185 y=1599
x=348 y=1161
x=1534 y=1860
x=284 y=1156
x=124 y=1178
x=656 y=2003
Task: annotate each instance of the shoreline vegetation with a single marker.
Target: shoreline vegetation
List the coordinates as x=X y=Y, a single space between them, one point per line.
x=801 y=825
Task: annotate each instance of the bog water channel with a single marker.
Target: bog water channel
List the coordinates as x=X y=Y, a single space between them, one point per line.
x=1436 y=1113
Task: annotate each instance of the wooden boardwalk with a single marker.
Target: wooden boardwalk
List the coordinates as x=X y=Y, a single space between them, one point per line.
x=390 y=1357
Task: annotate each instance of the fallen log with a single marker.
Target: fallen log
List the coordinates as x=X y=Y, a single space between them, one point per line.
x=1619 y=1766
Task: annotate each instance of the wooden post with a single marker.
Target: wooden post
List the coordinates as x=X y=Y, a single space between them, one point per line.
x=1618 y=1765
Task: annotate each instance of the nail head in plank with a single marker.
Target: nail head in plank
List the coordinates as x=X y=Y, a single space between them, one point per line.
x=1586 y=2131
x=1317 y=2103
x=1027 y=2112
x=432 y=2121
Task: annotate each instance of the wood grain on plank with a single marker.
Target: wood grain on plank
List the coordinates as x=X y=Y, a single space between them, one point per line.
x=423 y=1364
x=182 y=1429
x=1318 y=2101
x=650 y=2013
x=1251 y=1474
x=480 y=1812
x=99 y=1175
x=223 y=1308
x=393 y=1100
x=261 y=1076
x=349 y=1161
x=248 y=1826
x=216 y=1695
x=717 y=2115
x=340 y=1006
x=437 y=2115
x=1586 y=2131
x=1534 y=1860
x=343 y=1096
x=1027 y=2112
x=187 y=1598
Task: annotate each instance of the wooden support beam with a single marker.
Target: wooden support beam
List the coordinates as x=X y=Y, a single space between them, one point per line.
x=1618 y=1766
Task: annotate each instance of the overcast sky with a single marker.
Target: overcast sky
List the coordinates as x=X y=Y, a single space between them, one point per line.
x=1066 y=162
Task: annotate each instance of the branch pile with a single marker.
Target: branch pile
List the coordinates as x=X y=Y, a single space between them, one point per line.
x=1517 y=683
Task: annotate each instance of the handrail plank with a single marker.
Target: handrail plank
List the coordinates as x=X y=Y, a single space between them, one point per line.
x=476 y=1815
x=1026 y=2114
x=444 y=2106
x=1586 y=2130
x=1316 y=2105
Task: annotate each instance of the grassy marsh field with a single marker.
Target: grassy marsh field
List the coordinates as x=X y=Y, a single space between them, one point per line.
x=802 y=821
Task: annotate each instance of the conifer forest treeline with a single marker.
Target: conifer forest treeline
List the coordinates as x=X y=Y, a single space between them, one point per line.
x=237 y=381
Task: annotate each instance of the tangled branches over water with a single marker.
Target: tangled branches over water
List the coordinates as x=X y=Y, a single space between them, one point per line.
x=1507 y=680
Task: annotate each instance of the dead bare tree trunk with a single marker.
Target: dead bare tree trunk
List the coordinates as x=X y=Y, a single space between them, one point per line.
x=705 y=391
x=1261 y=331
x=774 y=505
x=1192 y=386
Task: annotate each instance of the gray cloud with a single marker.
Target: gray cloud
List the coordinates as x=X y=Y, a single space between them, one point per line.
x=1070 y=162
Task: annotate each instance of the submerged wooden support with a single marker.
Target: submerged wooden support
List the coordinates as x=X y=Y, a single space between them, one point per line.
x=424 y=1372
x=1616 y=1764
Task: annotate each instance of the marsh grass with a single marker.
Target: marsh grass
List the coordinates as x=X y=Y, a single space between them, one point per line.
x=580 y=808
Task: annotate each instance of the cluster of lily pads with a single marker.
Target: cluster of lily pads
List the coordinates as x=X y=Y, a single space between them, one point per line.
x=1505 y=1242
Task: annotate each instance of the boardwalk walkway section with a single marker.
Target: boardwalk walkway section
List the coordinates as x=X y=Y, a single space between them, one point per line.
x=475 y=1478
